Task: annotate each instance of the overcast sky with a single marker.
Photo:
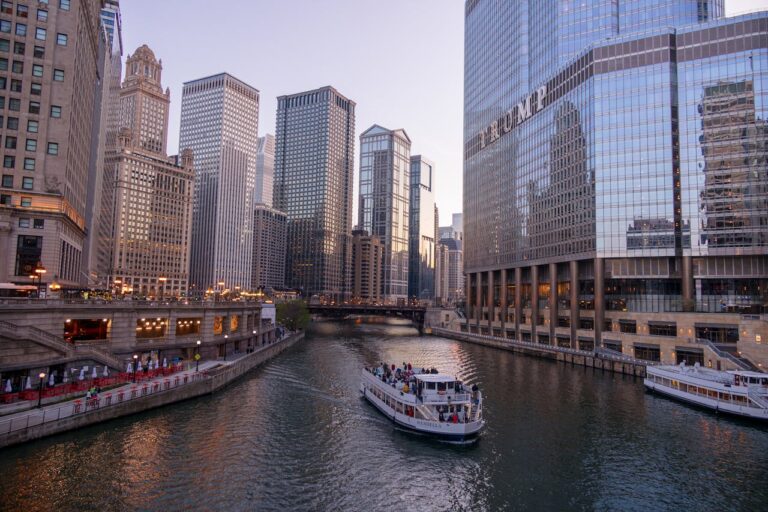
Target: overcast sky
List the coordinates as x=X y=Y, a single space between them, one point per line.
x=401 y=61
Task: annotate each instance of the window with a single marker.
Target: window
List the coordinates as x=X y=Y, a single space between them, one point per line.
x=26 y=201
x=58 y=75
x=13 y=123
x=34 y=107
x=37 y=70
x=16 y=85
x=22 y=11
x=5 y=199
x=31 y=145
x=29 y=164
x=5 y=45
x=5 y=26
x=23 y=223
x=14 y=104
x=6 y=7
x=27 y=183
x=42 y=15
x=40 y=34
x=32 y=126
x=21 y=29
x=2 y=82
x=7 y=181
x=10 y=142
x=36 y=89
x=9 y=162
x=61 y=39
x=55 y=111
x=628 y=326
x=2 y=102
x=39 y=52
x=64 y=5
x=18 y=66
x=29 y=249
x=19 y=48
x=3 y=64
x=53 y=148
x=38 y=223
x=662 y=329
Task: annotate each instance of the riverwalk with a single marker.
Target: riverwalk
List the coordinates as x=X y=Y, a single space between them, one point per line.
x=130 y=398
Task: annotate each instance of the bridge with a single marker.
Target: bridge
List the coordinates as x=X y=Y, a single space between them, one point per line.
x=413 y=313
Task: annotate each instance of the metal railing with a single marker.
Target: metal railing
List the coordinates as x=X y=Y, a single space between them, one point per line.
x=723 y=354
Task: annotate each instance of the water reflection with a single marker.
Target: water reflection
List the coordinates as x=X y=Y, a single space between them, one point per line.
x=295 y=435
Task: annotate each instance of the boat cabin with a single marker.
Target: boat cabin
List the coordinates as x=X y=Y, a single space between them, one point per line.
x=434 y=385
x=742 y=378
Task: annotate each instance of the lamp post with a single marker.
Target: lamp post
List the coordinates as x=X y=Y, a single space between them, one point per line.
x=220 y=286
x=40 y=390
x=39 y=271
x=197 y=357
x=135 y=363
x=225 y=346
x=162 y=289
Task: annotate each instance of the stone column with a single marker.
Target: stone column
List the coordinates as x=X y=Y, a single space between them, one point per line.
x=534 y=302
x=689 y=300
x=518 y=299
x=574 y=276
x=479 y=299
x=470 y=300
x=552 y=302
x=503 y=302
x=599 y=301
x=491 y=304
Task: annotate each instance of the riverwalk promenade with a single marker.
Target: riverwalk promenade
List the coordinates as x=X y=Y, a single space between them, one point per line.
x=17 y=426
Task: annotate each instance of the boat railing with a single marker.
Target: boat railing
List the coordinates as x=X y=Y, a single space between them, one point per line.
x=755 y=395
x=446 y=399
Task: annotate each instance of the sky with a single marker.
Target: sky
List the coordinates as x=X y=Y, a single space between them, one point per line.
x=401 y=61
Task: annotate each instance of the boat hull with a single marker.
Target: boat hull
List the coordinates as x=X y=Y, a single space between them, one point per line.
x=708 y=403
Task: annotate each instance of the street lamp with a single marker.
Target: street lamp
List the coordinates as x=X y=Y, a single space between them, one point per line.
x=39 y=271
x=162 y=290
x=225 y=346
x=197 y=356
x=135 y=364
x=40 y=390
x=220 y=285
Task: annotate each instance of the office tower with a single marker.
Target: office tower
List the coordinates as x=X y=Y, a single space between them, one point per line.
x=455 y=230
x=614 y=176
x=265 y=170
x=385 y=160
x=367 y=261
x=219 y=122
x=449 y=280
x=153 y=193
x=422 y=230
x=314 y=152
x=270 y=233
x=49 y=54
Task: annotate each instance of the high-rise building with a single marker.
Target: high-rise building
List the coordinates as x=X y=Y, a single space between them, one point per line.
x=385 y=162
x=314 y=164
x=270 y=233
x=265 y=170
x=367 y=261
x=49 y=52
x=422 y=230
x=449 y=280
x=153 y=193
x=455 y=230
x=219 y=122
x=615 y=174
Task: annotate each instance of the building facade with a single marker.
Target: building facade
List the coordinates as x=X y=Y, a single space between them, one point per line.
x=367 y=266
x=644 y=118
x=219 y=123
x=50 y=64
x=314 y=165
x=152 y=220
x=385 y=183
x=270 y=234
x=455 y=230
x=265 y=170
x=422 y=230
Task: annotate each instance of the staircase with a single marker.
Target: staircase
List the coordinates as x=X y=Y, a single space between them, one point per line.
x=757 y=398
x=740 y=362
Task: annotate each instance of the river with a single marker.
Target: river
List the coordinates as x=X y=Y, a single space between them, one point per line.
x=294 y=434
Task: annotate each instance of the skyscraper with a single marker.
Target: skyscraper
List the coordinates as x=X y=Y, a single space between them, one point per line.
x=219 y=122
x=367 y=259
x=314 y=152
x=422 y=230
x=265 y=170
x=385 y=161
x=614 y=170
x=152 y=193
x=270 y=232
x=51 y=53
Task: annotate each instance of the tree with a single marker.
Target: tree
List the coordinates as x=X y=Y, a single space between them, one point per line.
x=293 y=314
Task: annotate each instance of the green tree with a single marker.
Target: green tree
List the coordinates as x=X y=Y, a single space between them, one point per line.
x=293 y=314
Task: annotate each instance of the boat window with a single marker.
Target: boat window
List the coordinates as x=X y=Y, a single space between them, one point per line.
x=441 y=386
x=430 y=385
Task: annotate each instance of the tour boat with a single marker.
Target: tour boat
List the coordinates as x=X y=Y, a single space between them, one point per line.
x=425 y=401
x=742 y=393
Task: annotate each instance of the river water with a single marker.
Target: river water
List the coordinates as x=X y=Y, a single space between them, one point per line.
x=294 y=434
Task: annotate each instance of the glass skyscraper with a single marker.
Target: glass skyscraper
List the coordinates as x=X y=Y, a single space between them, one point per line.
x=219 y=122
x=314 y=162
x=385 y=160
x=615 y=176
x=422 y=230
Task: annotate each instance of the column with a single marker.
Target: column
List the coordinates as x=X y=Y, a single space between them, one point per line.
x=503 y=302
x=552 y=302
x=470 y=300
x=534 y=302
x=491 y=305
x=479 y=299
x=574 y=276
x=689 y=301
x=599 y=301
x=518 y=305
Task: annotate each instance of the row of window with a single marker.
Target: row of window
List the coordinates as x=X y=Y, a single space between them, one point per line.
x=24 y=222
x=14 y=104
x=27 y=183
x=40 y=33
x=31 y=145
x=22 y=11
x=17 y=66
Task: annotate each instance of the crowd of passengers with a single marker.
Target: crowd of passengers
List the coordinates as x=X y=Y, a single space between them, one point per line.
x=403 y=378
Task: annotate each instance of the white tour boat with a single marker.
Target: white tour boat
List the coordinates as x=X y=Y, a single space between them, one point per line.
x=742 y=393
x=427 y=402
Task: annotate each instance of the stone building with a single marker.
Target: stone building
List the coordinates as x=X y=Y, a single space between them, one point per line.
x=367 y=271
x=270 y=231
